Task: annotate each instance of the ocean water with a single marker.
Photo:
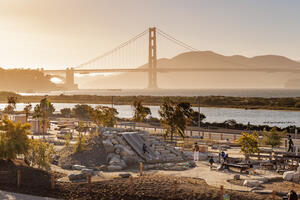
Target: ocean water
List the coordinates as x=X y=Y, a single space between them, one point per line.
x=256 y=117
x=266 y=93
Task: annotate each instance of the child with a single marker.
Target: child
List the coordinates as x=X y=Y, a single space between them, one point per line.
x=211 y=162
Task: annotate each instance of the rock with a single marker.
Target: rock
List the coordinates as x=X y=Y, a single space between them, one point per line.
x=263 y=179
x=219 y=168
x=78 y=167
x=237 y=177
x=256 y=188
x=115 y=161
x=87 y=171
x=125 y=175
x=77 y=177
x=288 y=176
x=296 y=177
x=112 y=155
x=112 y=168
x=126 y=152
x=108 y=146
x=130 y=160
x=114 y=141
x=102 y=167
x=263 y=191
x=251 y=183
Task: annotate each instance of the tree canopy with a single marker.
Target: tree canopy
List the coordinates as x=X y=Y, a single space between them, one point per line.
x=140 y=112
x=174 y=117
x=13 y=138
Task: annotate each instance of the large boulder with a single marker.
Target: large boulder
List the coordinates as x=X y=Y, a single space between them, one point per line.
x=288 y=176
x=78 y=167
x=87 y=171
x=131 y=160
x=112 y=155
x=77 y=177
x=125 y=151
x=252 y=183
x=115 y=161
x=296 y=177
x=108 y=146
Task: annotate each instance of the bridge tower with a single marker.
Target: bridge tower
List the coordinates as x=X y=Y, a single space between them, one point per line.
x=152 y=59
x=69 y=84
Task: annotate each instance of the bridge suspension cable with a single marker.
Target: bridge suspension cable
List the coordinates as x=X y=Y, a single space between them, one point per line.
x=98 y=58
x=178 y=42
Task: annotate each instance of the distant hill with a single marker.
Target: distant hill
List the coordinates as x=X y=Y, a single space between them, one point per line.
x=205 y=59
x=25 y=80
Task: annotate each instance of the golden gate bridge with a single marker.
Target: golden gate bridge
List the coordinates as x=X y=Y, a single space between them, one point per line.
x=114 y=60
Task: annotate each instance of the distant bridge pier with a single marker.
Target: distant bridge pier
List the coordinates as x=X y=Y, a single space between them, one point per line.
x=152 y=60
x=69 y=84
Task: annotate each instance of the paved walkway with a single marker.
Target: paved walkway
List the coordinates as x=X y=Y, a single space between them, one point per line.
x=17 y=196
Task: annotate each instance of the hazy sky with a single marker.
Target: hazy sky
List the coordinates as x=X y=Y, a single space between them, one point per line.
x=60 y=33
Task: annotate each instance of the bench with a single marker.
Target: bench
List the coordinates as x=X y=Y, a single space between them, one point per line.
x=241 y=167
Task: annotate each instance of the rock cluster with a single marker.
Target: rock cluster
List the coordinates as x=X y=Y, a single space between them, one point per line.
x=292 y=175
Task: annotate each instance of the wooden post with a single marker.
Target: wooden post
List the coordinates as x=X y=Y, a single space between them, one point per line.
x=52 y=182
x=285 y=143
x=221 y=136
x=203 y=134
x=18 y=178
x=234 y=137
x=222 y=192
x=141 y=169
x=209 y=136
x=175 y=189
x=273 y=195
x=131 y=185
x=89 y=181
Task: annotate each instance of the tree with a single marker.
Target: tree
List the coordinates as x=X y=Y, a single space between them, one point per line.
x=249 y=143
x=66 y=112
x=37 y=115
x=140 y=111
x=80 y=144
x=46 y=110
x=12 y=102
x=195 y=118
x=40 y=154
x=81 y=111
x=27 y=110
x=174 y=117
x=273 y=138
x=13 y=138
x=104 y=116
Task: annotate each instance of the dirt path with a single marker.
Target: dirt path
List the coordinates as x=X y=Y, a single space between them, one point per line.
x=214 y=177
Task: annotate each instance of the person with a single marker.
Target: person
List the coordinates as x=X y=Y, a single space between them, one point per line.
x=196 y=152
x=223 y=155
x=292 y=195
x=145 y=148
x=211 y=162
x=291 y=144
x=251 y=169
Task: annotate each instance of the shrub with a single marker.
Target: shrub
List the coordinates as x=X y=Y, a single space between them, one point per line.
x=13 y=139
x=40 y=154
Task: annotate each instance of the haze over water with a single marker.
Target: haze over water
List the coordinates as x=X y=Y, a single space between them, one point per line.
x=265 y=93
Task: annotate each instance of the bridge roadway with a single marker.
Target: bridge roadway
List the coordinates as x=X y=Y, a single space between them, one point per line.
x=165 y=69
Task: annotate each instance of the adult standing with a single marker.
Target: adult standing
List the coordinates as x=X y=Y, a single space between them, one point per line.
x=291 y=144
x=196 y=151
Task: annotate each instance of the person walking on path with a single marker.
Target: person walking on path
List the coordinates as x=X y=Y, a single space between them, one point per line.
x=196 y=152
x=292 y=195
x=291 y=144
